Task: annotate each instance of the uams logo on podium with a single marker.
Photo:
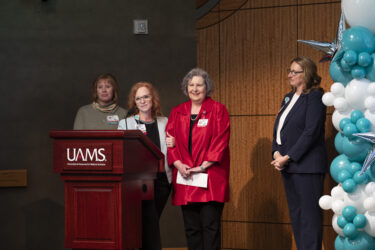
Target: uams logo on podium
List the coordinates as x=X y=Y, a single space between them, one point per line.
x=88 y=156
x=78 y=154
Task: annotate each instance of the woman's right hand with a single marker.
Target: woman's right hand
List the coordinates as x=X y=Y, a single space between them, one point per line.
x=280 y=161
x=170 y=141
x=182 y=168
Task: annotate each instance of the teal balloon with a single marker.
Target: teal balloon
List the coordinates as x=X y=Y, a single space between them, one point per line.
x=344 y=175
x=340 y=243
x=349 y=212
x=345 y=66
x=356 y=149
x=349 y=185
x=339 y=163
x=363 y=125
x=363 y=241
x=339 y=138
x=371 y=69
x=364 y=59
x=343 y=122
x=359 y=221
x=350 y=231
x=338 y=74
x=350 y=57
x=349 y=130
x=341 y=221
x=358 y=72
x=359 y=39
x=360 y=179
x=355 y=115
x=354 y=167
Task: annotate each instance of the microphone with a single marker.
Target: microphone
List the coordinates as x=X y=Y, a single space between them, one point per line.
x=130 y=112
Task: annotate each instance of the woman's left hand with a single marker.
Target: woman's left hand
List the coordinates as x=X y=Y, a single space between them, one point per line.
x=170 y=141
x=280 y=161
x=202 y=168
x=195 y=170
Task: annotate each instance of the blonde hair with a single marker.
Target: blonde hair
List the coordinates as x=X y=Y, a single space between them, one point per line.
x=112 y=80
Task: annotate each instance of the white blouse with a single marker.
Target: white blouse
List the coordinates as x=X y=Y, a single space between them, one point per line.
x=283 y=116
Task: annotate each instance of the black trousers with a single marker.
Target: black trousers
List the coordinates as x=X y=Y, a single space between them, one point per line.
x=151 y=212
x=303 y=192
x=202 y=225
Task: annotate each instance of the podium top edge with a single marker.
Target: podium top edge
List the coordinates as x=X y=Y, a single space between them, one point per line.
x=95 y=133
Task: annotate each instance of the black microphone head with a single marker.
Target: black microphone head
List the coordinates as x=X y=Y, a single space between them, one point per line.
x=130 y=112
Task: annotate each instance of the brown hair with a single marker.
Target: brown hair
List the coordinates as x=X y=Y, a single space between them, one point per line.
x=112 y=80
x=311 y=77
x=155 y=110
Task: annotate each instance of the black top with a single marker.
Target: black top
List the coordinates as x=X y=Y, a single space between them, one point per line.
x=192 y=121
x=152 y=132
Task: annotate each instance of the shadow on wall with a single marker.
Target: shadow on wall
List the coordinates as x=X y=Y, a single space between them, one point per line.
x=43 y=224
x=259 y=205
x=267 y=209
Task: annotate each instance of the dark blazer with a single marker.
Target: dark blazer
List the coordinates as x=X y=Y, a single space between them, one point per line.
x=302 y=134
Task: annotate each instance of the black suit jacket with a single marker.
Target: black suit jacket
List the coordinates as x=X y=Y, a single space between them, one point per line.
x=302 y=135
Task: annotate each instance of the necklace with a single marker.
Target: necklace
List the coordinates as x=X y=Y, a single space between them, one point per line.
x=193 y=119
x=151 y=122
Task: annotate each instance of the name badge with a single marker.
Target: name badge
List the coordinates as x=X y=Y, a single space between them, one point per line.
x=202 y=122
x=141 y=127
x=112 y=119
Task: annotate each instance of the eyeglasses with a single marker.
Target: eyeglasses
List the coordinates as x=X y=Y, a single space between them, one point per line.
x=293 y=72
x=145 y=97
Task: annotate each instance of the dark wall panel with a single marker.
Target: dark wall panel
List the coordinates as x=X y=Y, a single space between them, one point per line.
x=51 y=51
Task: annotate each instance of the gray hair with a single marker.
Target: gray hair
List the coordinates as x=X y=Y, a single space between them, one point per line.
x=198 y=72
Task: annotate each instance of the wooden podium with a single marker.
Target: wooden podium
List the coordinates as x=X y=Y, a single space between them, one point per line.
x=107 y=173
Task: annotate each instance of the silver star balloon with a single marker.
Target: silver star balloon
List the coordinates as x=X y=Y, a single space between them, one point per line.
x=370 y=159
x=329 y=49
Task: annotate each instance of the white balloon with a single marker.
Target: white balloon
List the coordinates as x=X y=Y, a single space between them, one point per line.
x=341 y=104
x=370 y=103
x=356 y=199
x=325 y=202
x=359 y=13
x=336 y=227
x=369 y=204
x=371 y=89
x=370 y=224
x=338 y=116
x=338 y=89
x=328 y=99
x=370 y=188
x=356 y=92
x=371 y=117
x=338 y=206
x=337 y=193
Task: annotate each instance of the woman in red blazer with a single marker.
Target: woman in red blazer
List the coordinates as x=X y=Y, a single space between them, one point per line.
x=299 y=151
x=201 y=127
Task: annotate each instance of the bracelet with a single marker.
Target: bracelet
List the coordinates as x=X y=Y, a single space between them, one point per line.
x=201 y=167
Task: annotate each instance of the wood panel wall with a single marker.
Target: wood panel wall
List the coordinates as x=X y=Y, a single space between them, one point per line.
x=246 y=46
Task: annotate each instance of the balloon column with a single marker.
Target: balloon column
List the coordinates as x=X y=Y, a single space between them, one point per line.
x=353 y=96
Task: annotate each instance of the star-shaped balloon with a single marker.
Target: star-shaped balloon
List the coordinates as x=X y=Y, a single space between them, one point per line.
x=329 y=49
x=370 y=159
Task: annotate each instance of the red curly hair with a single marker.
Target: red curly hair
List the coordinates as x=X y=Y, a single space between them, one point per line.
x=155 y=110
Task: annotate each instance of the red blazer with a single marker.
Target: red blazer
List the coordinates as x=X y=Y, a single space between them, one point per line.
x=209 y=143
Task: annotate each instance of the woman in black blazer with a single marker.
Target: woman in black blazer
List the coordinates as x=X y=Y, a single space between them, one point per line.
x=299 y=151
